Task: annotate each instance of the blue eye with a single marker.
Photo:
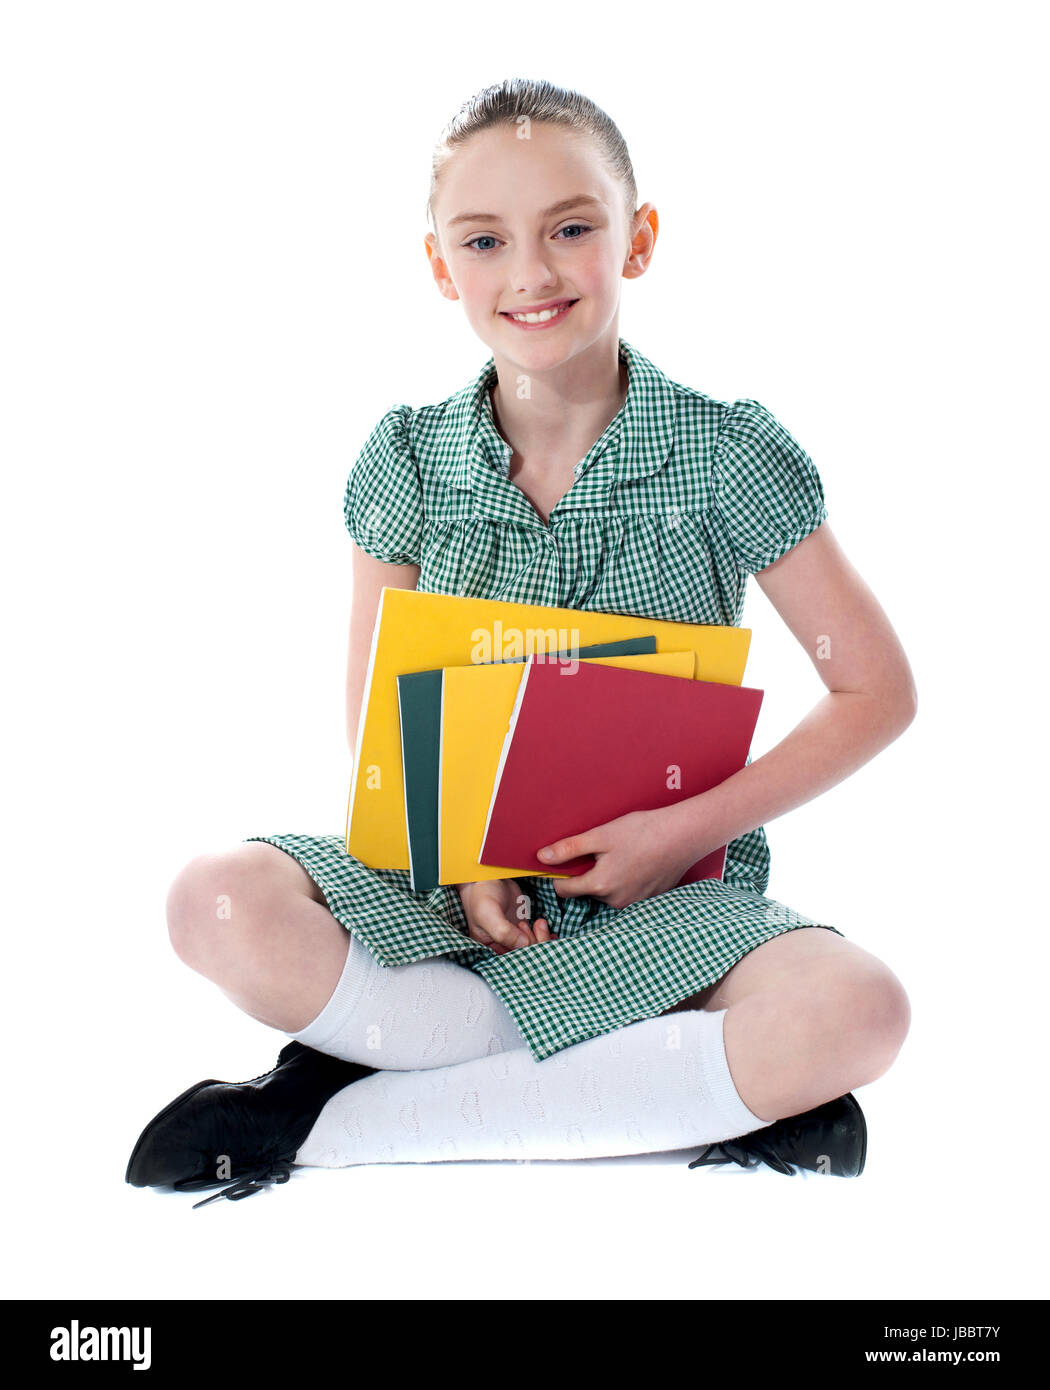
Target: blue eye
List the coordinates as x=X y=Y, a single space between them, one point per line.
x=485 y=236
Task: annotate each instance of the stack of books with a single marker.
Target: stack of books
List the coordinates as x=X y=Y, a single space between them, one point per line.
x=490 y=729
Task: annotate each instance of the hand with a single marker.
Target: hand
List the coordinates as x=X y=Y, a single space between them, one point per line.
x=491 y=907
x=636 y=856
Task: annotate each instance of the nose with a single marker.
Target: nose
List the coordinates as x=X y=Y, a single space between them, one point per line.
x=531 y=273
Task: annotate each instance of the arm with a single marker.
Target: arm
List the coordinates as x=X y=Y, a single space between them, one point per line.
x=369 y=577
x=871 y=701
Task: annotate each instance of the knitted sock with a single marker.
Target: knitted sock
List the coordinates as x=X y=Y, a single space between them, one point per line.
x=660 y=1084
x=430 y=1014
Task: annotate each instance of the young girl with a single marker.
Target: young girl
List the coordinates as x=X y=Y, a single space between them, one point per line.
x=610 y=1013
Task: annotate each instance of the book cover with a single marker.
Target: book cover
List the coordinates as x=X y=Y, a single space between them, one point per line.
x=586 y=749
x=477 y=705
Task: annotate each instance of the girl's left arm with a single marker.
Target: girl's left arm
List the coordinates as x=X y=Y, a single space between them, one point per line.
x=871 y=700
x=871 y=697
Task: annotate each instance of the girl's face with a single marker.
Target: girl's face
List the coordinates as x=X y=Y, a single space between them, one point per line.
x=529 y=222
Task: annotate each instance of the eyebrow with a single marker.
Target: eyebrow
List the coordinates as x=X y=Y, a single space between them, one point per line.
x=563 y=206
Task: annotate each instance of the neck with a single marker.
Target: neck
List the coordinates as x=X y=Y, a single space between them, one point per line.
x=567 y=408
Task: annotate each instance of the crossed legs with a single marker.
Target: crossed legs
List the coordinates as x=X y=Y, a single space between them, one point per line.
x=808 y=1015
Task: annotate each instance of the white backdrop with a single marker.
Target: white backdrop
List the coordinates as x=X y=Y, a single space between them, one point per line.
x=214 y=284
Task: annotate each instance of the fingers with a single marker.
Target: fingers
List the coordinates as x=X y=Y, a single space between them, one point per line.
x=489 y=917
x=479 y=935
x=572 y=885
x=560 y=849
x=576 y=885
x=523 y=934
x=573 y=847
x=488 y=923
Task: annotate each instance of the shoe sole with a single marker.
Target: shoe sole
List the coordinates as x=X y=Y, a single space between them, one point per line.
x=160 y=1115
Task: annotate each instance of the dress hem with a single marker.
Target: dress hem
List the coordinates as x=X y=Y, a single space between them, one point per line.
x=631 y=967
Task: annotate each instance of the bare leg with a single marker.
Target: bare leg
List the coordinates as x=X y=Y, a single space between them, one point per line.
x=253 y=921
x=810 y=1017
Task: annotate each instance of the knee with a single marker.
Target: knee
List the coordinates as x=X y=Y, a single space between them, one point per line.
x=872 y=1015
x=210 y=902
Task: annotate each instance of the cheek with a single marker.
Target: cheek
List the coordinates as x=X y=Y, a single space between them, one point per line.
x=474 y=281
x=595 y=272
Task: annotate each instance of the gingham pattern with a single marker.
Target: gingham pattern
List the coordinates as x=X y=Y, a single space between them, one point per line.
x=679 y=500
x=607 y=968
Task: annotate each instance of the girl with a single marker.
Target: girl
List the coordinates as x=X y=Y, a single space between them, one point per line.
x=610 y=1013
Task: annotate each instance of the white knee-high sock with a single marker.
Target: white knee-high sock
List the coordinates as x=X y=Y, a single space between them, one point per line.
x=660 y=1084
x=406 y=1017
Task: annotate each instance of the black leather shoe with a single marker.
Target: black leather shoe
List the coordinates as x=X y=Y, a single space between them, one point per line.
x=244 y=1133
x=833 y=1139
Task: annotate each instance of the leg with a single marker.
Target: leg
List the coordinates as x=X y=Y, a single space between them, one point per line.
x=255 y=923
x=645 y=1088
x=810 y=1017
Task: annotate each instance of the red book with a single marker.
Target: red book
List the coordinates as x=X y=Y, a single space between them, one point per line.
x=587 y=746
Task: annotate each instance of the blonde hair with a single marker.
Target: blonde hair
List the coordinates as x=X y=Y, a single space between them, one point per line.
x=518 y=100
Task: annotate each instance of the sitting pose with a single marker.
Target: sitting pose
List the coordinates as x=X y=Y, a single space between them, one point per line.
x=561 y=1017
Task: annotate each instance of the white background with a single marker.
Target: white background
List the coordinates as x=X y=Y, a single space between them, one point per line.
x=214 y=284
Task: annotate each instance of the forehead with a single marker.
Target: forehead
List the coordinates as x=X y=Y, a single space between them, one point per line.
x=500 y=170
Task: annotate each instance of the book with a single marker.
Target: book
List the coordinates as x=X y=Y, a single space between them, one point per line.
x=587 y=749
x=477 y=702
x=417 y=631
x=420 y=718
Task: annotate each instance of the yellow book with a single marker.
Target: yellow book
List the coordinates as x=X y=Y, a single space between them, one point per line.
x=476 y=707
x=420 y=632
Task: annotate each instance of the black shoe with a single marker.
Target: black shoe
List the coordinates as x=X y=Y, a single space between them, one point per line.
x=833 y=1138
x=247 y=1131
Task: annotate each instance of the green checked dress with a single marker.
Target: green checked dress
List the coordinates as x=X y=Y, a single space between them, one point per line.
x=679 y=500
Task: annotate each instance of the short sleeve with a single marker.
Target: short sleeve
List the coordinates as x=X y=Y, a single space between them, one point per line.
x=383 y=502
x=768 y=492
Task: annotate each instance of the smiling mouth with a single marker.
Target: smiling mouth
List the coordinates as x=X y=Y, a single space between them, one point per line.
x=541 y=315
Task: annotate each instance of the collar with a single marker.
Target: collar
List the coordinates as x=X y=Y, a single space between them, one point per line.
x=640 y=435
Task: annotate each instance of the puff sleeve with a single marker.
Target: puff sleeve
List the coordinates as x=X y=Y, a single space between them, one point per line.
x=383 y=502
x=768 y=493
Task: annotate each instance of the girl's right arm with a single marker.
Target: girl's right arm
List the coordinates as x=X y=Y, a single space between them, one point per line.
x=369 y=577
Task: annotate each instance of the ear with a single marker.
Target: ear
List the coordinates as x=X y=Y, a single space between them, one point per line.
x=643 y=240
x=438 y=268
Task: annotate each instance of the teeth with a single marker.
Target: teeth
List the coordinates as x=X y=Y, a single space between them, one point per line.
x=542 y=316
